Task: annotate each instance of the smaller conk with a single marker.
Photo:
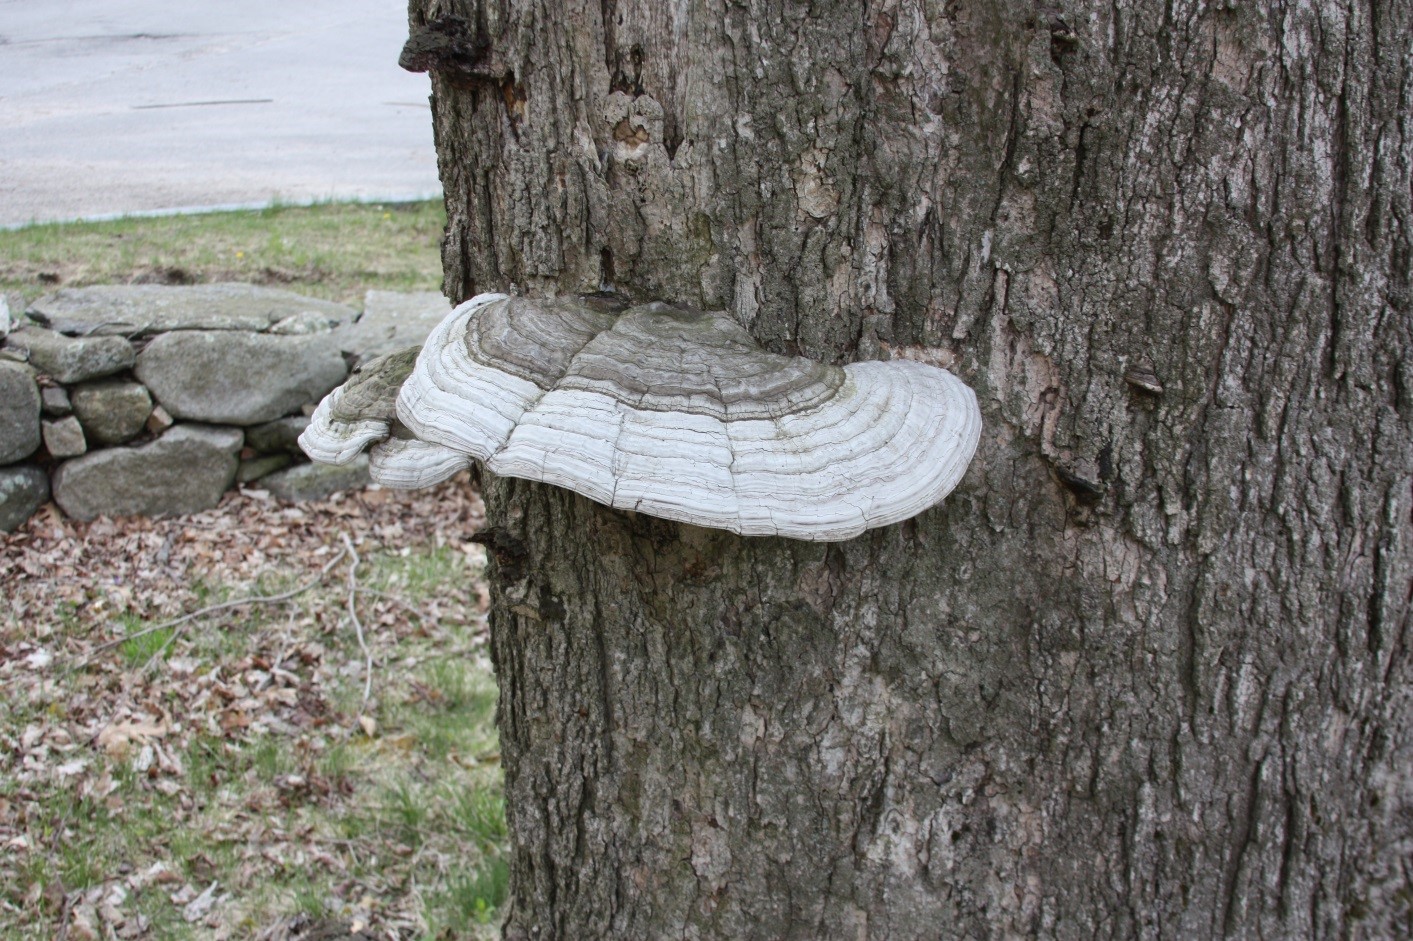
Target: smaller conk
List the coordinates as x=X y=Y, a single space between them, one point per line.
x=658 y=409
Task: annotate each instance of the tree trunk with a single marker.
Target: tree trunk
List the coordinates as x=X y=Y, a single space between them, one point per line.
x=1146 y=673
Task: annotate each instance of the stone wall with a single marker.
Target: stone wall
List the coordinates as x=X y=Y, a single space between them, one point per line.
x=153 y=400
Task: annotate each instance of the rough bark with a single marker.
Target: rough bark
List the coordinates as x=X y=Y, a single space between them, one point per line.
x=1147 y=672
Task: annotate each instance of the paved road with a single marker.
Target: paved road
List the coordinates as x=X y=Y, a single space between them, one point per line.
x=122 y=106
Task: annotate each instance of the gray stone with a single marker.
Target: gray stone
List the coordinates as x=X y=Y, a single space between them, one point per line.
x=305 y=323
x=159 y=421
x=19 y=413
x=73 y=359
x=147 y=309
x=63 y=437
x=392 y=320
x=282 y=434
x=317 y=481
x=258 y=467
x=111 y=410
x=23 y=490
x=184 y=471
x=54 y=400
x=238 y=378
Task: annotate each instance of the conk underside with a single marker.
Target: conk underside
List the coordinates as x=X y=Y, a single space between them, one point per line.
x=658 y=409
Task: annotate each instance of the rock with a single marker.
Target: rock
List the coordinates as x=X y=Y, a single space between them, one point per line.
x=147 y=309
x=390 y=321
x=159 y=421
x=317 y=481
x=19 y=413
x=54 y=400
x=7 y=323
x=184 y=471
x=282 y=434
x=73 y=359
x=23 y=490
x=304 y=323
x=63 y=437
x=238 y=378
x=111 y=410
x=258 y=467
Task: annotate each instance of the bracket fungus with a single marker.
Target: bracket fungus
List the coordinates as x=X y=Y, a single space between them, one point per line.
x=663 y=410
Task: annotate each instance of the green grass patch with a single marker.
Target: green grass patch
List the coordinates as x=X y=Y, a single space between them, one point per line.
x=460 y=688
x=332 y=250
x=143 y=643
x=270 y=784
x=416 y=572
x=473 y=896
x=479 y=813
x=453 y=710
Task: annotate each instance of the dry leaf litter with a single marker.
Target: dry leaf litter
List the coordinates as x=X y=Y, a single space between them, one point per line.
x=99 y=717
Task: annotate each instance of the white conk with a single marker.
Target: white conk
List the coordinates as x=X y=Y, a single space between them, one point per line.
x=663 y=410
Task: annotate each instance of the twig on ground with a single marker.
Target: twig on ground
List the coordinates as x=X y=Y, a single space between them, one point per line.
x=210 y=609
x=353 y=616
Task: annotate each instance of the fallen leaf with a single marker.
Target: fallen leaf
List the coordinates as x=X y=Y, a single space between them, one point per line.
x=118 y=737
x=199 y=907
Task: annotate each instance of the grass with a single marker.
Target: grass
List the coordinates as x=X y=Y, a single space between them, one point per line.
x=332 y=250
x=472 y=896
x=142 y=644
x=418 y=805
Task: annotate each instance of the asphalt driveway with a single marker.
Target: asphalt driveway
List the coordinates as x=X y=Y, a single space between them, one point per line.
x=112 y=107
